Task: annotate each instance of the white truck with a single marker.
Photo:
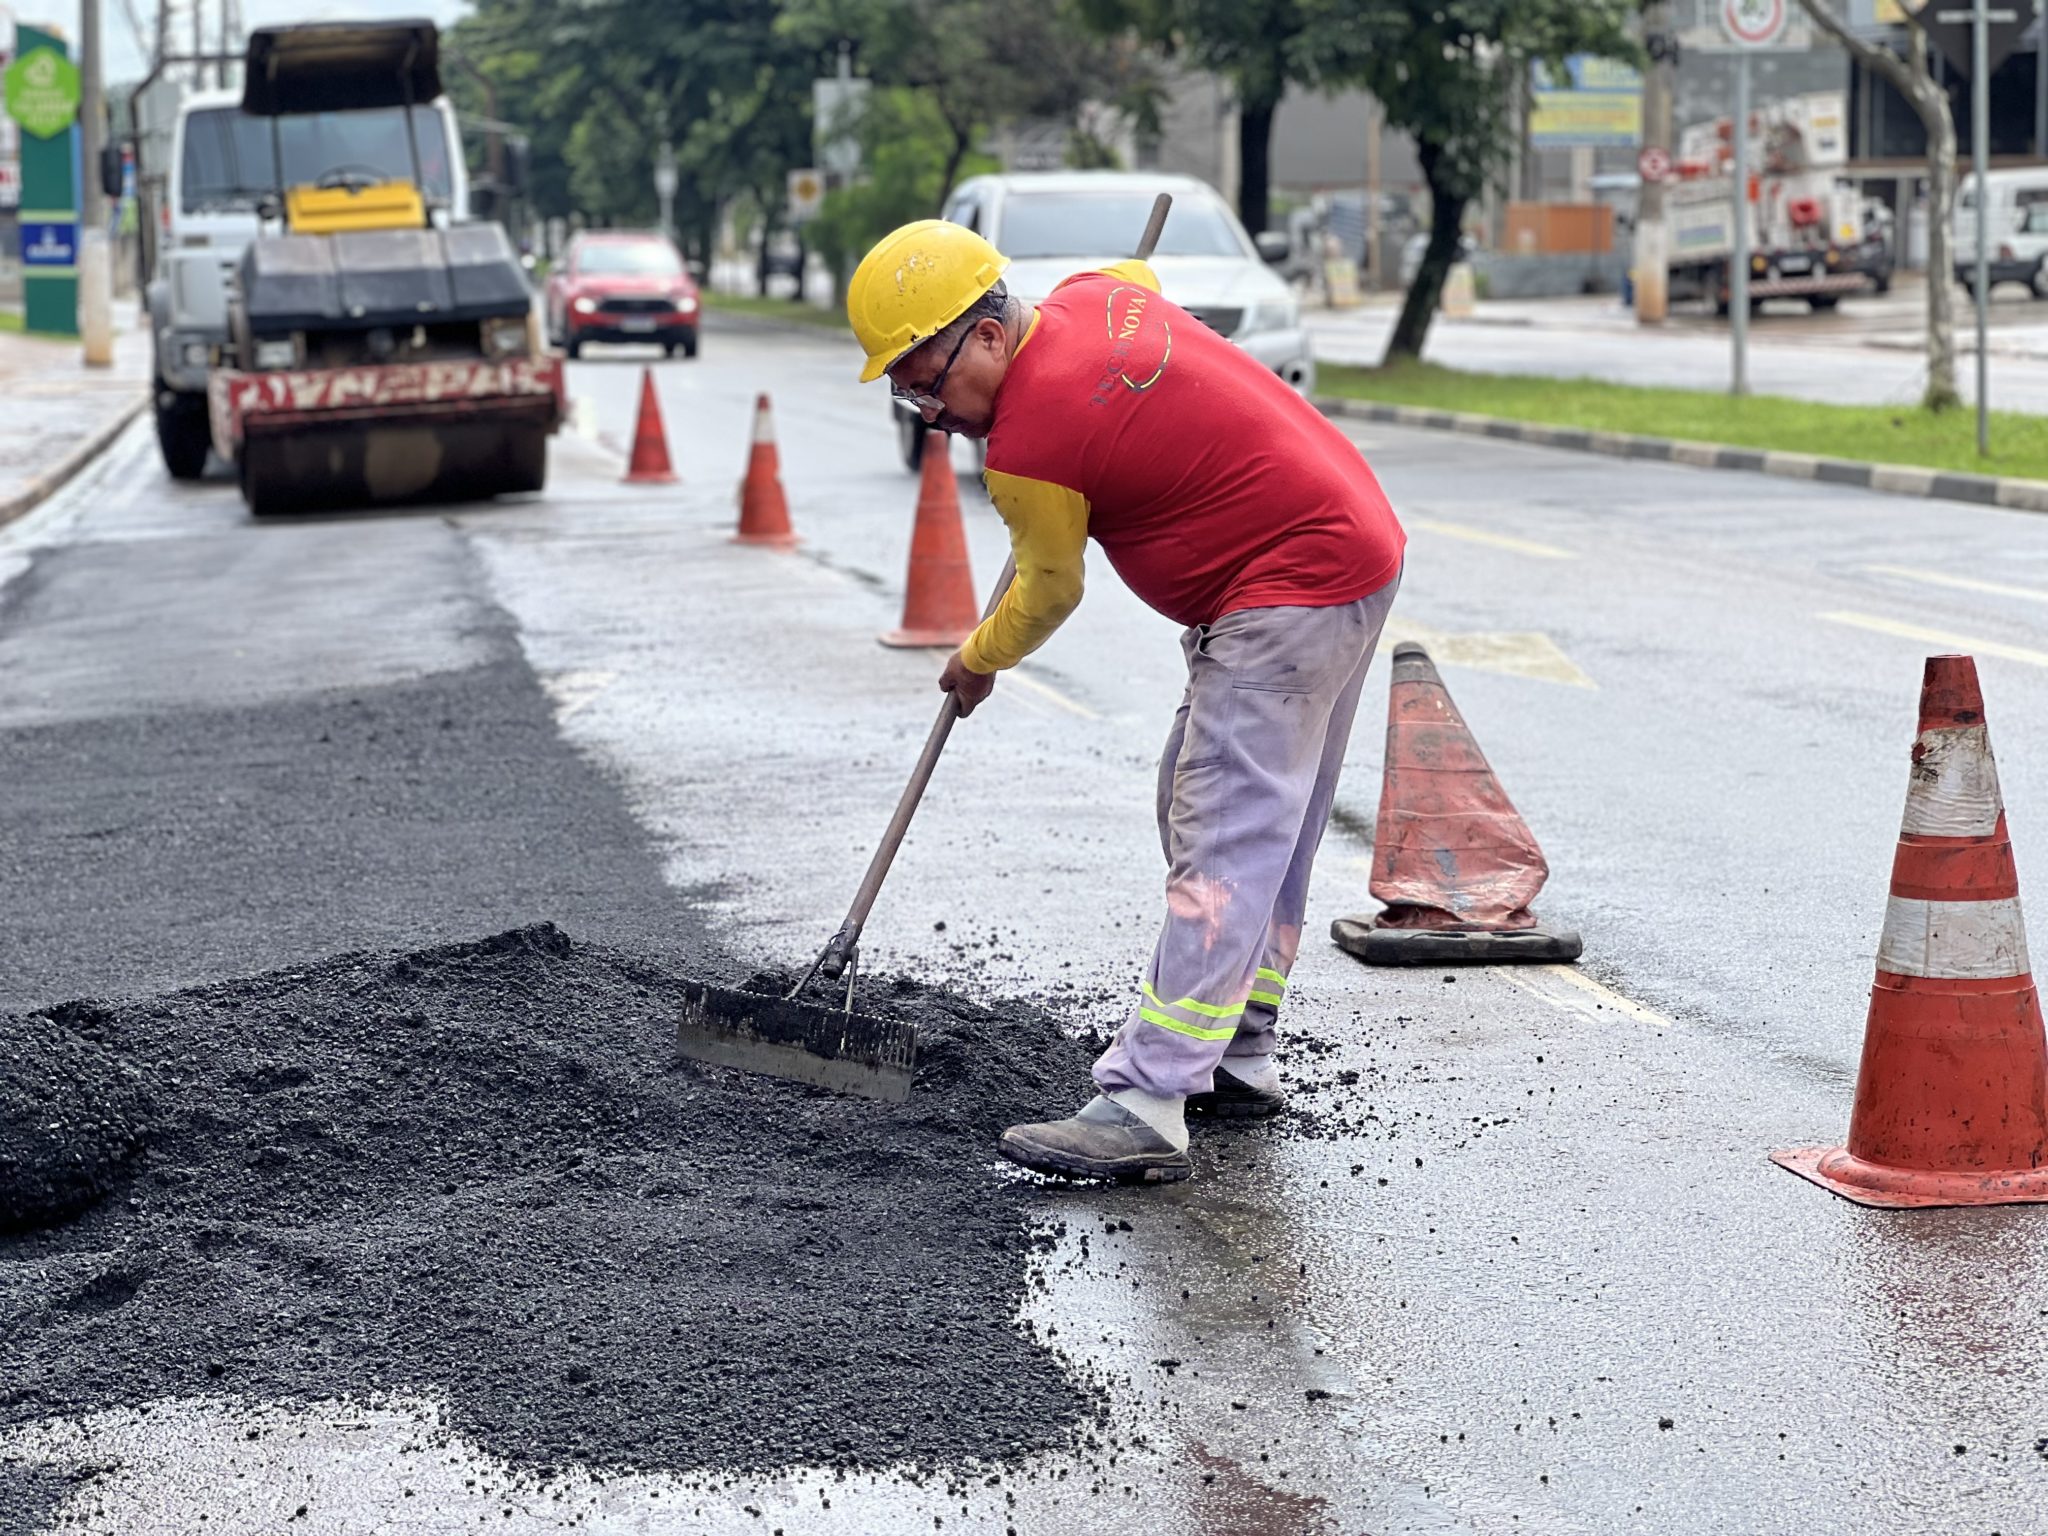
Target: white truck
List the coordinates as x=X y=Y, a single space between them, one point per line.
x=1813 y=235
x=204 y=169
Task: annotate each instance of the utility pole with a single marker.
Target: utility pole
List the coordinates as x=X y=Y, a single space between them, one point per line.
x=95 y=259
x=1980 y=152
x=1738 y=269
x=1375 y=257
x=1653 y=234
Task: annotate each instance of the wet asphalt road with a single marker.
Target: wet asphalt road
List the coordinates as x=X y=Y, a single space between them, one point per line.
x=1519 y=1265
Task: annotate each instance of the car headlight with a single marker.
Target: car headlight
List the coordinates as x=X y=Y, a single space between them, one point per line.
x=505 y=336
x=1271 y=315
x=686 y=303
x=585 y=306
x=279 y=352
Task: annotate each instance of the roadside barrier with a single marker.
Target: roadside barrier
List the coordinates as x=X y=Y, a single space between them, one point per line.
x=939 y=606
x=764 y=510
x=650 y=463
x=1952 y=1095
x=1452 y=859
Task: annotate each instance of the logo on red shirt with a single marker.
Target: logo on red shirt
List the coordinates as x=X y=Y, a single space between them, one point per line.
x=1140 y=343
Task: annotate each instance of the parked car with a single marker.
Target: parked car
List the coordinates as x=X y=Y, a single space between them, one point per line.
x=1052 y=224
x=622 y=285
x=2018 y=236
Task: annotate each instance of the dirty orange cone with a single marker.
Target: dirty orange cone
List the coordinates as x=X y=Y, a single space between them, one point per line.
x=1952 y=1097
x=764 y=510
x=939 y=606
x=649 y=464
x=1452 y=858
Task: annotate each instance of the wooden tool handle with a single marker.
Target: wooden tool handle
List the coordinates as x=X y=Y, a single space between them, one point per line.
x=839 y=953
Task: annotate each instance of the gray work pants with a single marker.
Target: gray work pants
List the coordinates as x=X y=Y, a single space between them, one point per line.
x=1245 y=789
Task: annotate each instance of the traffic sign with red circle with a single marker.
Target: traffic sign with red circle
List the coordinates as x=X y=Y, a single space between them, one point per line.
x=1654 y=164
x=1754 y=23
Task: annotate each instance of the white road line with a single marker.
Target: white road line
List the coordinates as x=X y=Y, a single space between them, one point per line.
x=1051 y=695
x=1481 y=536
x=1571 y=990
x=1960 y=583
x=1942 y=638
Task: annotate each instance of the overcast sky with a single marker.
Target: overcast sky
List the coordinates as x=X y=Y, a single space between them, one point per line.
x=125 y=57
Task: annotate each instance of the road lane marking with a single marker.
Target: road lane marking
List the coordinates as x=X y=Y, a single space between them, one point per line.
x=1051 y=695
x=1481 y=536
x=1960 y=583
x=1571 y=990
x=1531 y=654
x=1942 y=638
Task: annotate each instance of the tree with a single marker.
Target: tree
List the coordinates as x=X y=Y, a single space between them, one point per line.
x=1443 y=71
x=1260 y=46
x=1912 y=78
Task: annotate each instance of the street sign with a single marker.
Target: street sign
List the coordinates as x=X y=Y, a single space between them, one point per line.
x=1949 y=30
x=49 y=243
x=1755 y=23
x=41 y=90
x=806 y=194
x=836 y=106
x=1654 y=164
x=1595 y=102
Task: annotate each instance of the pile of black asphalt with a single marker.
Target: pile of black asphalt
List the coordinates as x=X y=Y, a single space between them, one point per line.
x=482 y=1173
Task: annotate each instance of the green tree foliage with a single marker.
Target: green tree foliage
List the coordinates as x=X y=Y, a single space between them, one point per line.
x=1449 y=74
x=1260 y=46
x=597 y=84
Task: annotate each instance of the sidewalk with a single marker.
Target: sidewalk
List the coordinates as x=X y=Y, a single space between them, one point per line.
x=55 y=413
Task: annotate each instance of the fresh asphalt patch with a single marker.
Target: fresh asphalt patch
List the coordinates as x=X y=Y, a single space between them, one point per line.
x=315 y=1139
x=481 y=1173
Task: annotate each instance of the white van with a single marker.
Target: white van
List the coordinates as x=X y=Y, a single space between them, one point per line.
x=2019 y=229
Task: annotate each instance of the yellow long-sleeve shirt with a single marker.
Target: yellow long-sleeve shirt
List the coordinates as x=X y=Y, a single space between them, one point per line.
x=1048 y=526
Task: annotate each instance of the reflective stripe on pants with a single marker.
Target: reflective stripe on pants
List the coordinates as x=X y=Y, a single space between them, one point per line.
x=1245 y=789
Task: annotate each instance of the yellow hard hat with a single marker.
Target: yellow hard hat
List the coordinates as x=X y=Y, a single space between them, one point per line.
x=913 y=284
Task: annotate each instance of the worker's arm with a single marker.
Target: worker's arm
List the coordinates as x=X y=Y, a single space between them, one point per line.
x=1048 y=532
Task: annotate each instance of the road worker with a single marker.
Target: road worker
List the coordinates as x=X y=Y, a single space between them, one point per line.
x=1226 y=502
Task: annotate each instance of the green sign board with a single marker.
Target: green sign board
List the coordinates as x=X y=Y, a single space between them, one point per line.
x=42 y=92
x=41 y=80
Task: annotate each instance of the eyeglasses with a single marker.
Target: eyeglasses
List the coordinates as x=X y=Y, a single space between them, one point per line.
x=927 y=399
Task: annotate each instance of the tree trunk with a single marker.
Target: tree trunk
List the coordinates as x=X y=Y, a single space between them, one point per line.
x=1425 y=294
x=1913 y=80
x=1254 y=160
x=963 y=140
x=1941 y=393
x=767 y=237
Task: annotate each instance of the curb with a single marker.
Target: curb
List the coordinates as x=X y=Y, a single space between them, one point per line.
x=1890 y=479
x=53 y=479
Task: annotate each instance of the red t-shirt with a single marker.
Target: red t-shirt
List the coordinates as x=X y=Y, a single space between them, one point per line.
x=1211 y=485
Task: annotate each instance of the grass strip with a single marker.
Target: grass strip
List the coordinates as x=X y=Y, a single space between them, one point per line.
x=1874 y=433
x=774 y=309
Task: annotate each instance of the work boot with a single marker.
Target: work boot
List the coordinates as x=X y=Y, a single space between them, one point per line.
x=1106 y=1140
x=1245 y=1088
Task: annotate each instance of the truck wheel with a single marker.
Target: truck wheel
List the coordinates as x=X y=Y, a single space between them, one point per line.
x=182 y=433
x=1822 y=302
x=690 y=345
x=574 y=348
x=911 y=432
x=265 y=485
x=525 y=462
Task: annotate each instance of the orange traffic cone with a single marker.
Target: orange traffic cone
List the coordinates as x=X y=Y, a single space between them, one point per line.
x=939 y=606
x=764 y=510
x=649 y=465
x=1452 y=859
x=1952 y=1097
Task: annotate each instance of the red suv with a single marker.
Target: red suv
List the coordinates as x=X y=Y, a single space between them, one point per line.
x=622 y=285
